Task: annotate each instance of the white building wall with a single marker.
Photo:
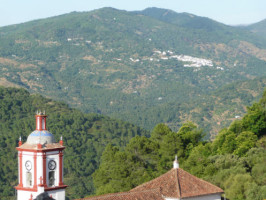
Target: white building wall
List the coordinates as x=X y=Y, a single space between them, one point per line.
x=58 y=194
x=23 y=195
x=26 y=195
x=205 y=197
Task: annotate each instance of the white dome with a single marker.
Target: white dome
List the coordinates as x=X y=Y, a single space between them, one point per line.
x=40 y=137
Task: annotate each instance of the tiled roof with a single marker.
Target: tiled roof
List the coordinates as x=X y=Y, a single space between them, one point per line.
x=153 y=194
x=35 y=146
x=176 y=183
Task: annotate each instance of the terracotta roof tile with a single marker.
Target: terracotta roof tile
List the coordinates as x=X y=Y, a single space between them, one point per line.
x=153 y=194
x=34 y=146
x=176 y=183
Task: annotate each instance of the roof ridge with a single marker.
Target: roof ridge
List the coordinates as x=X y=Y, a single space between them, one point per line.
x=178 y=185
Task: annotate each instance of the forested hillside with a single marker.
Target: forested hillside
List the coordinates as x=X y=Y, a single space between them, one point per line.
x=134 y=65
x=258 y=28
x=211 y=112
x=234 y=161
x=84 y=135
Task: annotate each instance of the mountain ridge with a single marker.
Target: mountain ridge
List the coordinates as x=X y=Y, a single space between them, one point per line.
x=183 y=19
x=111 y=61
x=258 y=28
x=137 y=12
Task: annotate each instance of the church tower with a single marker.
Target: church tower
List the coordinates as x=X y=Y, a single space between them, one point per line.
x=40 y=164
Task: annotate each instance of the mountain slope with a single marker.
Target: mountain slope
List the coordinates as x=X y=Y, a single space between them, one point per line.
x=258 y=28
x=183 y=19
x=216 y=30
x=116 y=62
x=211 y=112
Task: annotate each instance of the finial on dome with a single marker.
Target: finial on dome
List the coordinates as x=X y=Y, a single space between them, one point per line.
x=20 y=142
x=176 y=164
x=39 y=112
x=61 y=141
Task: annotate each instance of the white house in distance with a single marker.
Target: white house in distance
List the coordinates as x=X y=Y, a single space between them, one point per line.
x=40 y=165
x=176 y=184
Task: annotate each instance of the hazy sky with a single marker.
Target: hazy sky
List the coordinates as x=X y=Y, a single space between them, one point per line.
x=232 y=12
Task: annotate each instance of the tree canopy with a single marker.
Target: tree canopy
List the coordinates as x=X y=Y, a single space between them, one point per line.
x=234 y=161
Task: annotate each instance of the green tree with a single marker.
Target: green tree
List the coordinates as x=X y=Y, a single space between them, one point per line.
x=224 y=142
x=106 y=177
x=236 y=186
x=198 y=160
x=170 y=145
x=190 y=136
x=159 y=131
x=253 y=192
x=143 y=158
x=245 y=141
x=255 y=119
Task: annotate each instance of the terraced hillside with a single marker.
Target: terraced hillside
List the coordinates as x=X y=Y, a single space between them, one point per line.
x=133 y=65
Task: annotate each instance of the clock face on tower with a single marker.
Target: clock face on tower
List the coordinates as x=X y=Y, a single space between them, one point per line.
x=28 y=165
x=52 y=165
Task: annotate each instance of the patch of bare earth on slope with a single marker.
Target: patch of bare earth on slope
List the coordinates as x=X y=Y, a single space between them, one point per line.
x=14 y=63
x=233 y=50
x=251 y=49
x=4 y=82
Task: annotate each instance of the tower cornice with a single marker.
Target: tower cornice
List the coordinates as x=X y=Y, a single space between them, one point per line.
x=40 y=150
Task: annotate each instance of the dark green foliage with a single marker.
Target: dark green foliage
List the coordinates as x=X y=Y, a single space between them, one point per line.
x=234 y=161
x=244 y=141
x=255 y=119
x=85 y=137
x=190 y=136
x=143 y=158
x=112 y=177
